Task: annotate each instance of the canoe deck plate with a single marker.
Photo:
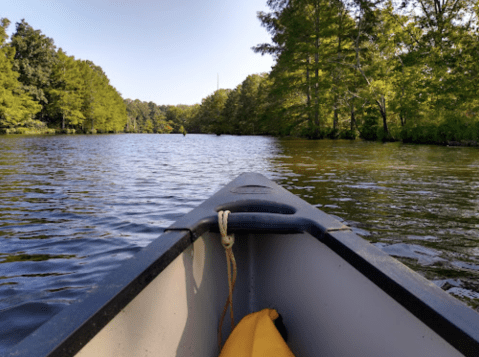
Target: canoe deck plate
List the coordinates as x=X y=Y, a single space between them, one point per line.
x=252 y=189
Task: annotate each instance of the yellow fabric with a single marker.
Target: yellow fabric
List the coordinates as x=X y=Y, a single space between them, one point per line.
x=256 y=336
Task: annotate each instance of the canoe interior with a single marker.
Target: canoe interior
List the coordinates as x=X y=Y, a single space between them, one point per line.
x=338 y=294
x=328 y=307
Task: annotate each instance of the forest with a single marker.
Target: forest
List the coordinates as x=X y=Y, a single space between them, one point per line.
x=375 y=70
x=43 y=90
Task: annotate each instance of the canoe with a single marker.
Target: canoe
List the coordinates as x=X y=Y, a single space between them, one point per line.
x=337 y=294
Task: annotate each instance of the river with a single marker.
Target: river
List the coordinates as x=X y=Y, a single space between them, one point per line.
x=72 y=208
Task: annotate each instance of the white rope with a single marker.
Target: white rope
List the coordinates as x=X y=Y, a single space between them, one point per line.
x=227 y=241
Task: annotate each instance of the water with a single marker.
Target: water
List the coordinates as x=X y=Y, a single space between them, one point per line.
x=419 y=204
x=72 y=208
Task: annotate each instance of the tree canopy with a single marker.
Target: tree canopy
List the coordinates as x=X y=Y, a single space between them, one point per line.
x=16 y=106
x=343 y=68
x=42 y=86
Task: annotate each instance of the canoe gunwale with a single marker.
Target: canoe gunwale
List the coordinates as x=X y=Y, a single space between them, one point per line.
x=448 y=317
x=67 y=332
x=258 y=206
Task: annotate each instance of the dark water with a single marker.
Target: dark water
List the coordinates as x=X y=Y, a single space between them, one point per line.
x=420 y=204
x=72 y=208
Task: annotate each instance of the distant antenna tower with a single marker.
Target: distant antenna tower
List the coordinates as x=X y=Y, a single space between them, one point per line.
x=217 y=81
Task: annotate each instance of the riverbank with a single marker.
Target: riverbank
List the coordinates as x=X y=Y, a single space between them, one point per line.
x=28 y=131
x=48 y=131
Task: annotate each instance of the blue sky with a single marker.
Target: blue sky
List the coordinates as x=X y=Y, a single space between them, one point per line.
x=165 y=51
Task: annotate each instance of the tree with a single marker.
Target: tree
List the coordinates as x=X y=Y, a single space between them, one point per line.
x=65 y=91
x=34 y=59
x=441 y=38
x=311 y=41
x=209 y=113
x=291 y=33
x=16 y=106
x=102 y=105
x=247 y=114
x=376 y=59
x=230 y=112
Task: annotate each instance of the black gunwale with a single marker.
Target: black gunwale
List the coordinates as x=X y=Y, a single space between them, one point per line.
x=68 y=331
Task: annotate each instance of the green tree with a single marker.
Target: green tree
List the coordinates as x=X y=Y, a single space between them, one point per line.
x=376 y=60
x=16 y=106
x=210 y=112
x=441 y=41
x=102 y=106
x=65 y=91
x=90 y=94
x=292 y=76
x=178 y=117
x=311 y=42
x=34 y=59
x=193 y=124
x=230 y=120
x=248 y=111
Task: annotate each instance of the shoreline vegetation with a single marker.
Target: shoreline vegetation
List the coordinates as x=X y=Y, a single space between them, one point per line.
x=16 y=132
x=343 y=70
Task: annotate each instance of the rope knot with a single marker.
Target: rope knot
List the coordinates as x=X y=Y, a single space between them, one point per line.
x=227 y=241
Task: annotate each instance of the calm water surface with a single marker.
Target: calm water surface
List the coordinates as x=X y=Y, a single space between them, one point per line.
x=72 y=208
x=420 y=204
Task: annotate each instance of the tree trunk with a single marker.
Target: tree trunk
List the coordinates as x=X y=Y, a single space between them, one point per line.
x=382 y=108
x=308 y=93
x=353 y=117
x=335 y=113
x=316 y=74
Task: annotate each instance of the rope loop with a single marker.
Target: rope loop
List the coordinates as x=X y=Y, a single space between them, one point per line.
x=227 y=241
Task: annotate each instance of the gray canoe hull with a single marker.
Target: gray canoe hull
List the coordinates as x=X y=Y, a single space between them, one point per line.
x=328 y=307
x=338 y=294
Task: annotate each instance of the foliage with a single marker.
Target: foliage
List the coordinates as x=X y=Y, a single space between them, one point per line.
x=16 y=106
x=378 y=70
x=148 y=117
x=65 y=91
x=34 y=59
x=40 y=86
x=102 y=106
x=386 y=71
x=210 y=112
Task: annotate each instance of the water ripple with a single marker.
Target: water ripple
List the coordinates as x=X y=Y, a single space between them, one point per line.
x=72 y=208
x=417 y=203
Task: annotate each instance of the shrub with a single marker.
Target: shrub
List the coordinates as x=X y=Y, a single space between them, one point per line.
x=36 y=125
x=348 y=134
x=22 y=131
x=333 y=134
x=7 y=131
x=370 y=128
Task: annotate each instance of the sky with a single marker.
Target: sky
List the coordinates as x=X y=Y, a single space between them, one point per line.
x=165 y=51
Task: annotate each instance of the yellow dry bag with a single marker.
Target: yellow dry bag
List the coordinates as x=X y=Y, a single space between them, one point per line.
x=256 y=336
